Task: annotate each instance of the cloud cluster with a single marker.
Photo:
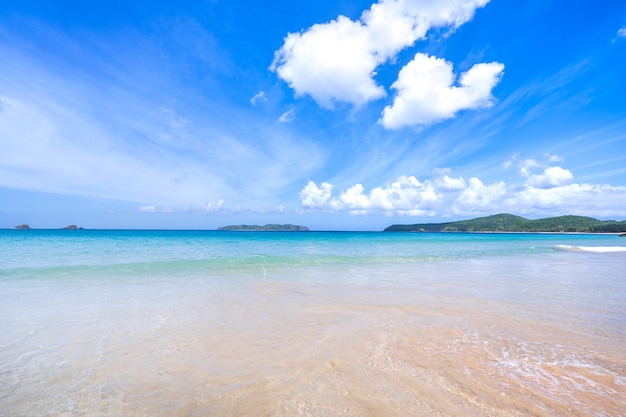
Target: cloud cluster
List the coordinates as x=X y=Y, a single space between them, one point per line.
x=336 y=62
x=546 y=190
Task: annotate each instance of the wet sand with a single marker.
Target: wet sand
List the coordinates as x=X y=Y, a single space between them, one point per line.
x=367 y=342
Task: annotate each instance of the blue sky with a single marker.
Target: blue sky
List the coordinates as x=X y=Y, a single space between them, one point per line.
x=338 y=115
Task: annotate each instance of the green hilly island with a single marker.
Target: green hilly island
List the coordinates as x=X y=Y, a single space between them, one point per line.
x=511 y=223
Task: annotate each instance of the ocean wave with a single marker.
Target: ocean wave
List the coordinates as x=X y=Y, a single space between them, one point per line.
x=599 y=249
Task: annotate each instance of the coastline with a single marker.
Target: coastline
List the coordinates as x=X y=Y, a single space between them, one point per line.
x=314 y=231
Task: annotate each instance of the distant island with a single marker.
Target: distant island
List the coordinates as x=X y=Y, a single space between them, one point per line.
x=27 y=227
x=72 y=227
x=510 y=223
x=266 y=228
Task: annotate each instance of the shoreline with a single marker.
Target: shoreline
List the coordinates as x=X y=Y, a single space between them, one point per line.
x=317 y=231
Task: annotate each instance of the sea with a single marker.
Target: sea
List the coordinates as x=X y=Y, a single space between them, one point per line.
x=224 y=323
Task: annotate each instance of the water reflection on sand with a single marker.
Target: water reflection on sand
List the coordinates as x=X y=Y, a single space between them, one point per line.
x=443 y=339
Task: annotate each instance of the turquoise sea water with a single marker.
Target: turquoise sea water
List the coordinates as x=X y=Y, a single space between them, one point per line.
x=182 y=323
x=60 y=248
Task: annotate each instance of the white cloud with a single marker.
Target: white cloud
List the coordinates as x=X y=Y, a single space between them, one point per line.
x=313 y=196
x=396 y=24
x=548 y=176
x=214 y=206
x=552 y=158
x=331 y=62
x=448 y=183
x=543 y=194
x=622 y=32
x=551 y=177
x=260 y=96
x=427 y=94
x=600 y=200
x=527 y=166
x=509 y=162
x=406 y=193
x=287 y=116
x=155 y=209
x=352 y=199
x=478 y=195
x=336 y=61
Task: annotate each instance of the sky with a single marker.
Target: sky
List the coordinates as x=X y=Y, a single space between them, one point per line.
x=336 y=115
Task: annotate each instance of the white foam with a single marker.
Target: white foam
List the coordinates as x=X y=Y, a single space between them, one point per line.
x=598 y=249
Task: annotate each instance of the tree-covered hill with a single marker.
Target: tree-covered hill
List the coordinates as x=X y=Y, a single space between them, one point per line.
x=510 y=223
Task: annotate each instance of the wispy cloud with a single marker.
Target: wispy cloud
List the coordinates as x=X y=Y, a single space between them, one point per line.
x=287 y=116
x=260 y=96
x=152 y=147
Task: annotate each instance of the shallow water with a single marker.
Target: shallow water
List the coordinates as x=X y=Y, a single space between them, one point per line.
x=312 y=324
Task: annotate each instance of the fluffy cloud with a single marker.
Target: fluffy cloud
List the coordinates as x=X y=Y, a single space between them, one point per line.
x=527 y=166
x=447 y=183
x=622 y=32
x=546 y=193
x=331 y=61
x=550 y=177
x=407 y=193
x=427 y=94
x=601 y=200
x=477 y=195
x=336 y=61
x=313 y=196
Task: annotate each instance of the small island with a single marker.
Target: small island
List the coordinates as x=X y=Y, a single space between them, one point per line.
x=27 y=227
x=511 y=223
x=266 y=228
x=72 y=227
